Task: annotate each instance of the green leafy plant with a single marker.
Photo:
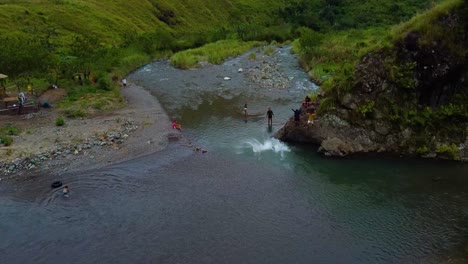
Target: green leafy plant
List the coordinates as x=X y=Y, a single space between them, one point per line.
x=59 y=121
x=10 y=130
x=403 y=75
x=269 y=51
x=366 y=109
x=449 y=151
x=6 y=140
x=422 y=150
x=74 y=113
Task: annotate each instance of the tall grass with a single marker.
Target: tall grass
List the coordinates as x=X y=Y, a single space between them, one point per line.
x=331 y=61
x=429 y=30
x=424 y=23
x=213 y=53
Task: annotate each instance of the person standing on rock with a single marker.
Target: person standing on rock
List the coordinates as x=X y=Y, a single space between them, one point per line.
x=311 y=119
x=297 y=115
x=270 y=116
x=245 y=110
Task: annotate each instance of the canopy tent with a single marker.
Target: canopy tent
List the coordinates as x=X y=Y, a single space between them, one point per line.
x=3 y=76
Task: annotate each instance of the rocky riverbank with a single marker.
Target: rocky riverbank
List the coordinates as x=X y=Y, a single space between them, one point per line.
x=409 y=98
x=334 y=136
x=142 y=127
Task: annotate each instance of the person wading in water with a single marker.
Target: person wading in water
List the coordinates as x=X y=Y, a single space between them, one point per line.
x=270 y=116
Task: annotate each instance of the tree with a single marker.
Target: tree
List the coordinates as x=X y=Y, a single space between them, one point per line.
x=310 y=40
x=83 y=54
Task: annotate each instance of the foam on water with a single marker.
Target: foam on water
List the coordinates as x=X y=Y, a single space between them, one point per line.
x=269 y=145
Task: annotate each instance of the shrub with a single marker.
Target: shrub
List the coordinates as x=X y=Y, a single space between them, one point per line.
x=422 y=150
x=104 y=84
x=448 y=151
x=6 y=140
x=10 y=130
x=59 y=121
x=366 y=109
x=74 y=113
x=269 y=51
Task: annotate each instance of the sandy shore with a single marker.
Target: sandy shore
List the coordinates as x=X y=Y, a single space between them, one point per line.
x=140 y=128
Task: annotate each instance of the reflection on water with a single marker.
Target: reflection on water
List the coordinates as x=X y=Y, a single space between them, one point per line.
x=250 y=199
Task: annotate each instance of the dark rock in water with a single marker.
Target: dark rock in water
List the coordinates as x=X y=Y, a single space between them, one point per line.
x=56 y=184
x=173 y=137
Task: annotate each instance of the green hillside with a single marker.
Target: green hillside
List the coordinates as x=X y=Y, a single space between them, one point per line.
x=112 y=21
x=46 y=42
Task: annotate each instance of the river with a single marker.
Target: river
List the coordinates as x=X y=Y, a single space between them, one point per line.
x=249 y=199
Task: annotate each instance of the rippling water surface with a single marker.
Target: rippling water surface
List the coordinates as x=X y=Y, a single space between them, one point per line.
x=249 y=199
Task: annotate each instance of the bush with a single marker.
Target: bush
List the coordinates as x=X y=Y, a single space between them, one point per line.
x=10 y=130
x=422 y=150
x=6 y=140
x=59 y=121
x=448 y=151
x=104 y=84
x=269 y=51
x=74 y=113
x=366 y=109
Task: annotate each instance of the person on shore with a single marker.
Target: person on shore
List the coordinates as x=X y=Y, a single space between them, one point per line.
x=22 y=98
x=270 y=116
x=124 y=83
x=66 y=191
x=310 y=120
x=175 y=125
x=297 y=115
x=306 y=101
x=21 y=101
x=245 y=110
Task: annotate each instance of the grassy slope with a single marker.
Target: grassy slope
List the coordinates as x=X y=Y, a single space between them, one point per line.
x=118 y=25
x=104 y=20
x=111 y=20
x=334 y=58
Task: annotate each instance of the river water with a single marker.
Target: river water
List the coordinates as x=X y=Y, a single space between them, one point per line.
x=249 y=199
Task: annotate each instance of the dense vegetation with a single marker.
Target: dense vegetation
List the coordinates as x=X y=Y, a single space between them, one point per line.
x=410 y=76
x=47 y=42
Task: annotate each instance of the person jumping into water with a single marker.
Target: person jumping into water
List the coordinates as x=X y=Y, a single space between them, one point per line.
x=270 y=116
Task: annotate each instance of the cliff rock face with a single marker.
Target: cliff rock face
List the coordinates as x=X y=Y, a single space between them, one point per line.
x=411 y=99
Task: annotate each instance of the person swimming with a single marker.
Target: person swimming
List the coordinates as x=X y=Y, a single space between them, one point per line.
x=66 y=191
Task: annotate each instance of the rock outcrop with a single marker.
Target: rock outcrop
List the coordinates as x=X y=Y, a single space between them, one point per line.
x=410 y=99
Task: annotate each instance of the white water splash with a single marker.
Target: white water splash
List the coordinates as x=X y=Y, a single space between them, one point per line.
x=271 y=144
